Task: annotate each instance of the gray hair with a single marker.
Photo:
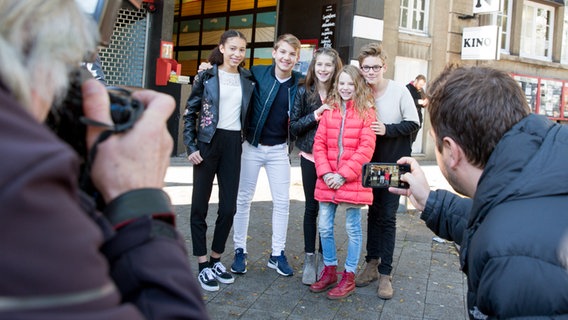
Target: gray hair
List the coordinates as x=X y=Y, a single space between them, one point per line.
x=40 y=43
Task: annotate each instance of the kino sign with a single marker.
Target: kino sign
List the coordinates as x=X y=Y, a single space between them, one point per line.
x=480 y=43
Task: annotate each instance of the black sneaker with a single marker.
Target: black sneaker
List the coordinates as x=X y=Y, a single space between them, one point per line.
x=240 y=264
x=280 y=263
x=207 y=280
x=221 y=273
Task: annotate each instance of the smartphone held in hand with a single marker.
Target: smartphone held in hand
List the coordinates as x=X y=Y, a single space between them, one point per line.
x=384 y=175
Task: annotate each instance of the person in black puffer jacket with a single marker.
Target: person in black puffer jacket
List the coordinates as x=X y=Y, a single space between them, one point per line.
x=513 y=230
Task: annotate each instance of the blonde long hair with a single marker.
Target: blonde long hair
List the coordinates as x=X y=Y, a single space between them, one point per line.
x=363 y=99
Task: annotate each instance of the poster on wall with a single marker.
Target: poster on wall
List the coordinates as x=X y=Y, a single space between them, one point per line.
x=328 y=17
x=529 y=85
x=307 y=50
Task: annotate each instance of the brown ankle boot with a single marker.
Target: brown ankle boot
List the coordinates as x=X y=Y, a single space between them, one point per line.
x=345 y=287
x=327 y=280
x=385 y=290
x=369 y=274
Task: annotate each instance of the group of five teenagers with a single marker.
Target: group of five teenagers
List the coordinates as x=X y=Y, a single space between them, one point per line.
x=307 y=111
x=343 y=143
x=214 y=126
x=397 y=120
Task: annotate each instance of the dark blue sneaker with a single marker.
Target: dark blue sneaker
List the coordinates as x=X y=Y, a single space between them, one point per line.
x=280 y=263
x=239 y=266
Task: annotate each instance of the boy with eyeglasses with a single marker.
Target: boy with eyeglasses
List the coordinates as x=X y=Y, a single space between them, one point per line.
x=397 y=120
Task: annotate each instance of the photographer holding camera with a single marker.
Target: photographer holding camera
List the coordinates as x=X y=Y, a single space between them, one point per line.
x=62 y=259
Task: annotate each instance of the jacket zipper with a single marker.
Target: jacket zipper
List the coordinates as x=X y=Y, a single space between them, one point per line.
x=340 y=138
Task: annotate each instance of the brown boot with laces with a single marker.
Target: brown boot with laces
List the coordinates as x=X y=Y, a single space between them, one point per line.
x=369 y=274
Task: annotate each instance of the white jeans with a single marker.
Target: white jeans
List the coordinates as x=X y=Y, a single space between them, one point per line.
x=276 y=163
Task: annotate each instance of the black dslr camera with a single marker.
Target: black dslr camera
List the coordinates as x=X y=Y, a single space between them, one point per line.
x=68 y=122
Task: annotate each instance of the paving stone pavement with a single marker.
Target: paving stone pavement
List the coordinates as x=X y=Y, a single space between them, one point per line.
x=426 y=276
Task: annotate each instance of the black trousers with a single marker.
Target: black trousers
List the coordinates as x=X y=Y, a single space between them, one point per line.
x=309 y=178
x=221 y=158
x=381 y=228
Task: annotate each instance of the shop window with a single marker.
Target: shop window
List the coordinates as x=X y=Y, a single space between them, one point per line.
x=414 y=15
x=267 y=3
x=237 y=5
x=537 y=31
x=529 y=85
x=262 y=56
x=213 y=28
x=198 y=26
x=565 y=104
x=215 y=6
x=189 y=33
x=547 y=97
x=550 y=94
x=265 y=26
x=189 y=8
x=242 y=23
x=189 y=61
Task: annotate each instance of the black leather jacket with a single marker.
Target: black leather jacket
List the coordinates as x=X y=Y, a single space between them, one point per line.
x=303 y=123
x=202 y=109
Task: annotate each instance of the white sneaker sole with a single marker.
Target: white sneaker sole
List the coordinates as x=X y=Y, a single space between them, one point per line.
x=275 y=267
x=208 y=288
x=225 y=281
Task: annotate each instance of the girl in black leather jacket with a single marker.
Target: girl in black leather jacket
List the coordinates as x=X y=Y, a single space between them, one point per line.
x=215 y=119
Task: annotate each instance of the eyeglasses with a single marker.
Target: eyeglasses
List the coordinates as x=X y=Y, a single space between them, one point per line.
x=375 y=68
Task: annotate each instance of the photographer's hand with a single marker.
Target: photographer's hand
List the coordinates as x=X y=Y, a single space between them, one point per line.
x=419 y=187
x=137 y=158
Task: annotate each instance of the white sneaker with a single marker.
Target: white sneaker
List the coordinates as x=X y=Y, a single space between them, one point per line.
x=221 y=274
x=207 y=280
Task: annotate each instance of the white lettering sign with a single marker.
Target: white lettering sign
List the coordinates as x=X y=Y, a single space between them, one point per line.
x=481 y=43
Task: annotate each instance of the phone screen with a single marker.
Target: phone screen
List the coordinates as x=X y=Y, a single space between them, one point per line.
x=384 y=175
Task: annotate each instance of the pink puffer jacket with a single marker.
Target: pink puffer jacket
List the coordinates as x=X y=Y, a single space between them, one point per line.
x=358 y=142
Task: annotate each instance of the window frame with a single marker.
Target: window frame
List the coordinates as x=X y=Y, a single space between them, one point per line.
x=412 y=13
x=497 y=19
x=532 y=42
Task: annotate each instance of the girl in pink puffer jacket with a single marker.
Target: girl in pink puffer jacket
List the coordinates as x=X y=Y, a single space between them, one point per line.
x=344 y=142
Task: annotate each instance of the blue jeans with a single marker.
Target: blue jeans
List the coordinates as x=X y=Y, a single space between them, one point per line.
x=354 y=232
